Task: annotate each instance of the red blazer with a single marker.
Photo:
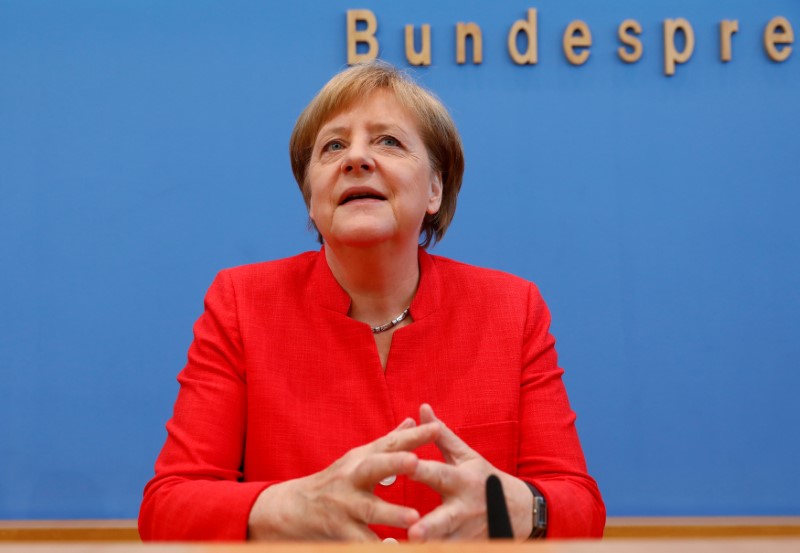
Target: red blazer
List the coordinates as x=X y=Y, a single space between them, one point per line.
x=280 y=382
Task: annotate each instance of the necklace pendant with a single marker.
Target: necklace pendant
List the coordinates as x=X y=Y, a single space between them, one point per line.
x=394 y=322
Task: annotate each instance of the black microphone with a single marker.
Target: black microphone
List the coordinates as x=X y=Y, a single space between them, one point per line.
x=497 y=510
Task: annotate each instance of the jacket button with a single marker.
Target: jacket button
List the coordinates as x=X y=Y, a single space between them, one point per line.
x=389 y=540
x=389 y=480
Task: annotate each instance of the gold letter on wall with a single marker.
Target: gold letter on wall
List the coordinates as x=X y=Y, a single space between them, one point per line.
x=366 y=36
x=464 y=30
x=529 y=27
x=583 y=39
x=778 y=31
x=626 y=32
x=726 y=30
x=671 y=54
x=423 y=57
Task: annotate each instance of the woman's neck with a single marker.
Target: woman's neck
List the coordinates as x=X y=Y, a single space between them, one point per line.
x=381 y=280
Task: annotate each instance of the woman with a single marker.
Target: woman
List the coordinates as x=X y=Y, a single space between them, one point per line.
x=298 y=408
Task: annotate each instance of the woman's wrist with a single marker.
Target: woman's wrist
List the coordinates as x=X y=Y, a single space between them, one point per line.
x=520 y=506
x=539 y=513
x=265 y=521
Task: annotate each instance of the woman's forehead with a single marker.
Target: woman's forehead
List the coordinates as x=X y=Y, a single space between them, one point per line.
x=380 y=107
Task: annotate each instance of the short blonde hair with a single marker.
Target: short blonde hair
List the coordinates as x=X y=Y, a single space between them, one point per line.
x=436 y=128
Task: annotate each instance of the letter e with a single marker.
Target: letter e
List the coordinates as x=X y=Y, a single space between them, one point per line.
x=778 y=31
x=577 y=35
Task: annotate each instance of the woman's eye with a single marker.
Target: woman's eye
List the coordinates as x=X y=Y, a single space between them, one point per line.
x=389 y=141
x=334 y=146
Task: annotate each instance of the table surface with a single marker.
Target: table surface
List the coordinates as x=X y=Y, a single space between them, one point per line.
x=770 y=545
x=637 y=528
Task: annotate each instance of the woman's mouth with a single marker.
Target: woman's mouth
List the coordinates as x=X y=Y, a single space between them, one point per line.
x=356 y=196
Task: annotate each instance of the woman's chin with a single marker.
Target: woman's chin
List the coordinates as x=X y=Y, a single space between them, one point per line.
x=363 y=236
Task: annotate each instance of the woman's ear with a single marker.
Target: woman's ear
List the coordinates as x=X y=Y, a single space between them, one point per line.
x=435 y=200
x=310 y=207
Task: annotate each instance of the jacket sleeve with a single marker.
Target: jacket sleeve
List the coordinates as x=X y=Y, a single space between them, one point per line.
x=550 y=455
x=197 y=492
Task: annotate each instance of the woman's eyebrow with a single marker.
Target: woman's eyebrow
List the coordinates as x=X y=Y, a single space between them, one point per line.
x=384 y=127
x=332 y=130
x=376 y=127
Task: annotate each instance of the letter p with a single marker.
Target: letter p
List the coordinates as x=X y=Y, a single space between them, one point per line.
x=671 y=54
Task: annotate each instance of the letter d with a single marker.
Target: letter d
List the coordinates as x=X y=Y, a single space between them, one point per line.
x=529 y=27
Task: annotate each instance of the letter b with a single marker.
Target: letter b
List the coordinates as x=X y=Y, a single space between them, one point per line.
x=365 y=36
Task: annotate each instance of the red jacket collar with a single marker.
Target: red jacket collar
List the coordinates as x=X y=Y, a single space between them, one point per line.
x=330 y=295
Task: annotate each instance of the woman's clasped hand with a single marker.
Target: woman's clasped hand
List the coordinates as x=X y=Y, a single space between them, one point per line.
x=338 y=503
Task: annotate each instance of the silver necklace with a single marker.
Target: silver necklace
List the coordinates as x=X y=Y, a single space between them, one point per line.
x=392 y=323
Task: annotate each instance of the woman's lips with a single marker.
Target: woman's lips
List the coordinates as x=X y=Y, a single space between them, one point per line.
x=361 y=199
x=358 y=196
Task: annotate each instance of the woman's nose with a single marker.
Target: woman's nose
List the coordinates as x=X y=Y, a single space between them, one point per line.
x=357 y=160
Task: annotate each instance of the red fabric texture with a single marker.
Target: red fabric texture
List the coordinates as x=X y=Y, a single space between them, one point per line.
x=280 y=382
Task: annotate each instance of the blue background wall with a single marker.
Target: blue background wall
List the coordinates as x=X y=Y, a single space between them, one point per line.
x=143 y=146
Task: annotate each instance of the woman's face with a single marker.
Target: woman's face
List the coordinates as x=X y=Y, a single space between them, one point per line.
x=370 y=177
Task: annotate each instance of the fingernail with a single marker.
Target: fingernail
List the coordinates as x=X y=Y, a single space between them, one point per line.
x=407 y=423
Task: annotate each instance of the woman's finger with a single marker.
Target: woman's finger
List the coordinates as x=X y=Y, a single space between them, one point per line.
x=443 y=523
x=443 y=478
x=406 y=439
x=407 y=423
x=426 y=414
x=377 y=466
x=453 y=448
x=373 y=510
x=355 y=531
